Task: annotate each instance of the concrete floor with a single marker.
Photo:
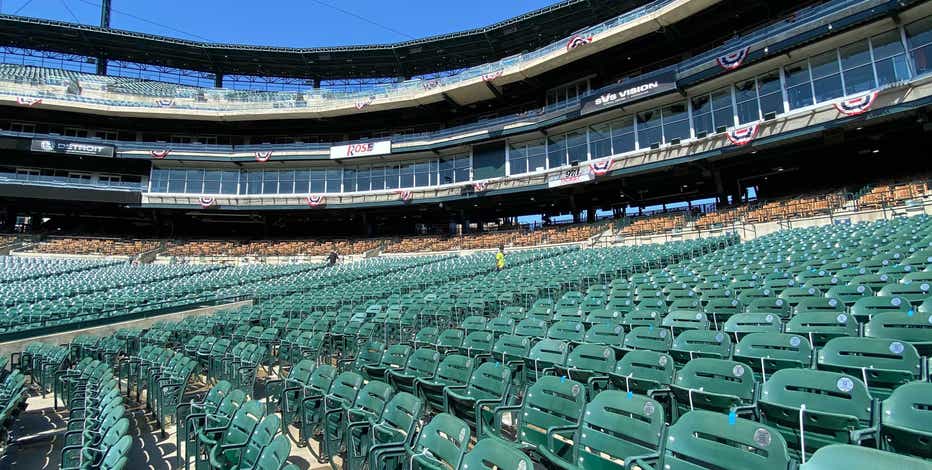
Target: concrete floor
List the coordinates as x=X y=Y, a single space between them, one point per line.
x=38 y=432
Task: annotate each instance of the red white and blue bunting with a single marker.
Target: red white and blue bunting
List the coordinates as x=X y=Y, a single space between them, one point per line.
x=577 y=41
x=364 y=103
x=27 y=101
x=160 y=154
x=165 y=102
x=314 y=200
x=857 y=105
x=488 y=77
x=263 y=157
x=601 y=167
x=404 y=194
x=734 y=59
x=479 y=186
x=207 y=201
x=431 y=84
x=743 y=135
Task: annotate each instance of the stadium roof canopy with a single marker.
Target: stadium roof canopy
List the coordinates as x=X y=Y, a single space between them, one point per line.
x=402 y=59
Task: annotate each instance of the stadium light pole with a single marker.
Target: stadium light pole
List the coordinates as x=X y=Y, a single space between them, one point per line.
x=104 y=23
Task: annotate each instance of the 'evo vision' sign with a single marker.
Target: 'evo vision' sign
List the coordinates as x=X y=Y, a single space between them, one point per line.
x=630 y=91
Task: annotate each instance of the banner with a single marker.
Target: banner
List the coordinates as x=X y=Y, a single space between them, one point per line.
x=734 y=59
x=579 y=174
x=383 y=147
x=857 y=105
x=71 y=147
x=630 y=91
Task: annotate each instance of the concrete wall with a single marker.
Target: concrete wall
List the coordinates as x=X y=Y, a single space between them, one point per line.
x=10 y=347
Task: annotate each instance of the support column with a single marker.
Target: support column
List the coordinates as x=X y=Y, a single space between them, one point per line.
x=104 y=23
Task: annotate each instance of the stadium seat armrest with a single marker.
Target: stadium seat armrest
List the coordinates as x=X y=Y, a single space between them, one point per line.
x=643 y=462
x=551 y=444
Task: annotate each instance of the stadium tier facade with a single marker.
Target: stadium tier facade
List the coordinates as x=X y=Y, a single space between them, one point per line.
x=616 y=115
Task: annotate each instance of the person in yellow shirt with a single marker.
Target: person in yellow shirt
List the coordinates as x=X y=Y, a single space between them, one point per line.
x=500 y=258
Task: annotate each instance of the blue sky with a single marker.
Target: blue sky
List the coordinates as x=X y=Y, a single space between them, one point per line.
x=295 y=23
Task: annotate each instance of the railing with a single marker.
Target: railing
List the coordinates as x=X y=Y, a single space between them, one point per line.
x=67 y=182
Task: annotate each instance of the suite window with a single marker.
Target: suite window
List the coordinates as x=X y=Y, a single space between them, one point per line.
x=422 y=174
x=675 y=122
x=889 y=58
x=856 y=67
x=286 y=182
x=211 y=182
x=798 y=84
x=623 y=139
x=517 y=158
x=362 y=179
x=391 y=177
x=919 y=37
x=576 y=148
x=600 y=140
x=461 y=168
x=334 y=177
x=378 y=178
x=158 y=182
x=650 y=131
x=826 y=76
x=746 y=101
x=269 y=182
x=302 y=181
x=176 y=181
x=106 y=135
x=229 y=181
x=769 y=93
x=556 y=151
x=318 y=181
x=406 y=174
x=254 y=182
x=349 y=180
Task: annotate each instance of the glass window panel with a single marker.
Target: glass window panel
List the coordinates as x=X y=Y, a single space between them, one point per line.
x=887 y=44
x=854 y=55
x=623 y=135
x=407 y=176
x=799 y=96
x=391 y=177
x=362 y=179
x=648 y=118
x=723 y=117
x=537 y=162
x=919 y=33
x=772 y=103
x=676 y=130
x=721 y=99
x=824 y=64
x=286 y=182
x=556 y=151
x=212 y=182
x=302 y=181
x=649 y=136
x=768 y=83
x=859 y=79
x=922 y=58
x=827 y=88
x=703 y=123
x=349 y=180
x=195 y=181
x=892 y=70
x=269 y=182
x=159 y=182
x=601 y=148
x=797 y=74
x=254 y=182
x=334 y=177
x=745 y=91
x=702 y=104
x=229 y=182
x=462 y=175
x=748 y=111
x=675 y=112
